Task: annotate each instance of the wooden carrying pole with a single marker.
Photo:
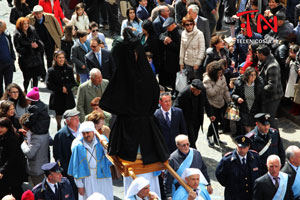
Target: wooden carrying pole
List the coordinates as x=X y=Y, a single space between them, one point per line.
x=127 y=168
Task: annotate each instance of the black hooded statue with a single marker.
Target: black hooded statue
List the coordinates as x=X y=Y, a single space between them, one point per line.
x=133 y=95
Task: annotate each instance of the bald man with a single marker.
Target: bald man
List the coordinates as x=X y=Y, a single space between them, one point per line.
x=274 y=184
x=291 y=167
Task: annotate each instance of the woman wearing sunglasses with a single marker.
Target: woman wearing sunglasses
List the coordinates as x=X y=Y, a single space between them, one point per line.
x=192 y=48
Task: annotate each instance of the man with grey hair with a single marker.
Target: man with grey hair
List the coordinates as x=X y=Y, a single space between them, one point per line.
x=156 y=11
x=63 y=141
x=87 y=91
x=184 y=157
x=291 y=167
x=274 y=184
x=7 y=57
x=201 y=22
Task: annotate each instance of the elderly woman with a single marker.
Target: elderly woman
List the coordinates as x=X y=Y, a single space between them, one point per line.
x=14 y=93
x=12 y=161
x=98 y=119
x=30 y=47
x=132 y=21
x=60 y=82
x=218 y=95
x=140 y=189
x=192 y=48
x=247 y=94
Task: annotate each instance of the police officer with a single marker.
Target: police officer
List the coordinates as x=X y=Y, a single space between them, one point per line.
x=266 y=140
x=238 y=170
x=54 y=186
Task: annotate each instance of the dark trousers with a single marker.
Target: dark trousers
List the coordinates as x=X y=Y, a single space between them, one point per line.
x=271 y=108
x=27 y=78
x=212 y=22
x=6 y=73
x=49 y=51
x=193 y=131
x=74 y=187
x=221 y=15
x=93 y=12
x=167 y=79
x=219 y=114
x=113 y=21
x=103 y=11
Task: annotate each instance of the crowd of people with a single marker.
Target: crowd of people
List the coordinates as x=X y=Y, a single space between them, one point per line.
x=154 y=43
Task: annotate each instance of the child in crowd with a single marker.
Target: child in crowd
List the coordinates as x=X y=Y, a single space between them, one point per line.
x=94 y=32
x=79 y=19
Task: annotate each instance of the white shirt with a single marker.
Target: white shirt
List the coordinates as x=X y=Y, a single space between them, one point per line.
x=74 y=133
x=241 y=158
x=51 y=185
x=164 y=113
x=293 y=166
x=91 y=153
x=195 y=20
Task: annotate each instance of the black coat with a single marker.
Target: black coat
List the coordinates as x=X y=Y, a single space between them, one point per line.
x=66 y=47
x=234 y=177
x=259 y=142
x=39 y=120
x=171 y=51
x=43 y=190
x=77 y=56
x=212 y=55
x=247 y=116
x=264 y=189
x=59 y=76
x=28 y=57
x=16 y=13
x=151 y=45
x=185 y=101
x=12 y=160
x=132 y=95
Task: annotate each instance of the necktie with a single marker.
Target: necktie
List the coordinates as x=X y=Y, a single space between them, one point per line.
x=244 y=161
x=276 y=182
x=168 y=119
x=99 y=58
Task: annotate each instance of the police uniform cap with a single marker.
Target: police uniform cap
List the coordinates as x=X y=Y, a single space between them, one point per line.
x=196 y=83
x=169 y=21
x=52 y=167
x=263 y=118
x=71 y=113
x=242 y=141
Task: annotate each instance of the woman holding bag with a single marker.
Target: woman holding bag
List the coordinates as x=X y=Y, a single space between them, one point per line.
x=192 y=48
x=247 y=94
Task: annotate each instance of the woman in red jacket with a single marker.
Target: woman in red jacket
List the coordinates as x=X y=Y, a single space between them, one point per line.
x=53 y=6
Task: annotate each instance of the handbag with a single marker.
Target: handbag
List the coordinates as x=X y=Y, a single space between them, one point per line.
x=232 y=112
x=297 y=93
x=181 y=80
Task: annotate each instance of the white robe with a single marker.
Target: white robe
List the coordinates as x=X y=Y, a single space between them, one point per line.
x=91 y=183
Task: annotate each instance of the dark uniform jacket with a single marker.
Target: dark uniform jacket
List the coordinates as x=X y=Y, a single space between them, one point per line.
x=237 y=180
x=259 y=142
x=43 y=191
x=270 y=72
x=287 y=168
x=175 y=161
x=264 y=189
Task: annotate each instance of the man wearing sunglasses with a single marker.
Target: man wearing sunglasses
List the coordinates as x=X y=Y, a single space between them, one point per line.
x=184 y=157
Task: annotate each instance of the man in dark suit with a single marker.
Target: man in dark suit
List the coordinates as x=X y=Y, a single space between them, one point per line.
x=100 y=58
x=201 y=22
x=155 y=11
x=142 y=12
x=163 y=14
x=291 y=167
x=274 y=184
x=192 y=101
x=238 y=170
x=171 y=120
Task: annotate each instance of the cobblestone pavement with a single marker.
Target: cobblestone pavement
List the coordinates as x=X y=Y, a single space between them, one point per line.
x=289 y=131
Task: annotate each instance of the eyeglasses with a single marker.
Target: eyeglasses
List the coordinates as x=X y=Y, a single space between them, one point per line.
x=184 y=145
x=188 y=24
x=93 y=47
x=96 y=30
